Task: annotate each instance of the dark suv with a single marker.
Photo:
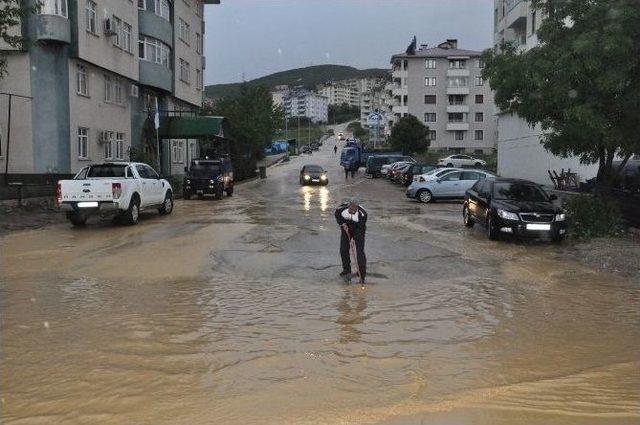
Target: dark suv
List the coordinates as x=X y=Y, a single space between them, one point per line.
x=415 y=170
x=208 y=177
x=513 y=207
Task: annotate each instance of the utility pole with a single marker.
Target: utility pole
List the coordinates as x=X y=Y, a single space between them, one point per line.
x=298 y=126
x=6 y=161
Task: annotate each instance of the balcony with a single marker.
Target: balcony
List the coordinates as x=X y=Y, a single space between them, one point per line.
x=399 y=74
x=400 y=91
x=457 y=126
x=452 y=109
x=155 y=75
x=516 y=16
x=401 y=109
x=52 y=28
x=458 y=90
x=154 y=26
x=457 y=72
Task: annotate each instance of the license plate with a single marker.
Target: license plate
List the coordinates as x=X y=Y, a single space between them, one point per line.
x=315 y=181
x=200 y=192
x=538 y=227
x=87 y=204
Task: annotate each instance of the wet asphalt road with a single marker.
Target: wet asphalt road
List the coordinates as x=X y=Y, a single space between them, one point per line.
x=232 y=312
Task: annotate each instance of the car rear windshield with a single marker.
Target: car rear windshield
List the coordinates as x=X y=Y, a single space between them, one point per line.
x=205 y=170
x=518 y=192
x=313 y=169
x=107 y=170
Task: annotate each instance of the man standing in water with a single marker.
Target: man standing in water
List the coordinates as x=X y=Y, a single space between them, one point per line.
x=352 y=219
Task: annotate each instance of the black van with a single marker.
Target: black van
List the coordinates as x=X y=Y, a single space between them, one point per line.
x=208 y=177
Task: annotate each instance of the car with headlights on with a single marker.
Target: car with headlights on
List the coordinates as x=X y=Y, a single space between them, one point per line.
x=313 y=174
x=448 y=185
x=208 y=177
x=513 y=207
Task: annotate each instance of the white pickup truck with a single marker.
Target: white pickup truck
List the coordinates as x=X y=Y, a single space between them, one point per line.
x=116 y=188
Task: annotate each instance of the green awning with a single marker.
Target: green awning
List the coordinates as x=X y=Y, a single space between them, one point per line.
x=191 y=127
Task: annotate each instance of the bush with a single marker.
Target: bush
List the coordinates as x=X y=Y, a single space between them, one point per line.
x=591 y=217
x=176 y=185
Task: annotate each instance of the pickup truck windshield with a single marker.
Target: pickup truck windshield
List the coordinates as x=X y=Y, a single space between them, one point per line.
x=205 y=170
x=106 y=170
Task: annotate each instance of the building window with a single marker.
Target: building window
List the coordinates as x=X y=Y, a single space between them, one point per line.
x=185 y=71
x=480 y=63
x=198 y=79
x=459 y=135
x=178 y=152
x=184 y=31
x=429 y=99
x=457 y=81
x=198 y=8
x=479 y=98
x=153 y=50
x=479 y=81
x=141 y=5
x=430 y=117
x=109 y=89
x=479 y=116
x=430 y=81
x=457 y=64
x=479 y=135
x=90 y=16
x=119 y=145
x=126 y=37
x=83 y=143
x=119 y=92
x=533 y=22
x=117 y=28
x=457 y=117
x=159 y=7
x=108 y=145
x=198 y=43
x=54 y=7
x=430 y=64
x=456 y=99
x=82 y=81
x=432 y=135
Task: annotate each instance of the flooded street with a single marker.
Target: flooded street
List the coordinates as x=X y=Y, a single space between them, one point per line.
x=232 y=312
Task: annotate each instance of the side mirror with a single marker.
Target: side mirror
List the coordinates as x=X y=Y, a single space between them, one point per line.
x=553 y=197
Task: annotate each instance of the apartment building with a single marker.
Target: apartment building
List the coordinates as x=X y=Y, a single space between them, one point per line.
x=341 y=92
x=520 y=153
x=302 y=103
x=378 y=99
x=93 y=80
x=443 y=87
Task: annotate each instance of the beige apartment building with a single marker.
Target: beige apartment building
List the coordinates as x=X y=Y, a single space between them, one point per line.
x=90 y=85
x=520 y=153
x=443 y=87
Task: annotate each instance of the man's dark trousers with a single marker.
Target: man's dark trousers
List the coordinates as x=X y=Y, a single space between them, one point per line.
x=346 y=258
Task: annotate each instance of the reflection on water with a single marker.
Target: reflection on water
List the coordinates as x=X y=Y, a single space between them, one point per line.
x=311 y=195
x=351 y=307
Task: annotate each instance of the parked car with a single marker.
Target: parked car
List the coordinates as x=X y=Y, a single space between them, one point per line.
x=315 y=146
x=375 y=163
x=513 y=207
x=391 y=170
x=396 y=172
x=434 y=174
x=307 y=149
x=313 y=174
x=414 y=170
x=208 y=177
x=114 y=188
x=450 y=185
x=461 y=161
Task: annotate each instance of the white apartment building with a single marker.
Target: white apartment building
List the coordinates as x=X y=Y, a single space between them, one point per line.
x=92 y=81
x=341 y=92
x=520 y=153
x=442 y=86
x=306 y=104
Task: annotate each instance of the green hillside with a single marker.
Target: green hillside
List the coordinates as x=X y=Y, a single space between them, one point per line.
x=308 y=77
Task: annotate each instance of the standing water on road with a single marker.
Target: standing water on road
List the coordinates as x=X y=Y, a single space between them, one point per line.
x=232 y=313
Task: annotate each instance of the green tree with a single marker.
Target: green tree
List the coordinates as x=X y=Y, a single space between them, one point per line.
x=358 y=131
x=253 y=121
x=581 y=84
x=409 y=135
x=339 y=114
x=12 y=12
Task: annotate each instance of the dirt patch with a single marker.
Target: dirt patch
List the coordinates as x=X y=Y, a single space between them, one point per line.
x=614 y=255
x=28 y=217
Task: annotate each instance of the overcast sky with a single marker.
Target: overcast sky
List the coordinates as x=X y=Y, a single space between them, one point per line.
x=258 y=37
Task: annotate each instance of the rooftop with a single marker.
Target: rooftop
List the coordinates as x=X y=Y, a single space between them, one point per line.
x=443 y=50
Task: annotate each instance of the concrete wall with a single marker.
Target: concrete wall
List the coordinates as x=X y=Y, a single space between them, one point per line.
x=187 y=91
x=446 y=139
x=17 y=81
x=520 y=154
x=98 y=48
x=95 y=114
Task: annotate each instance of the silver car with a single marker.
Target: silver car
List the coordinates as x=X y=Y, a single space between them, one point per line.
x=450 y=185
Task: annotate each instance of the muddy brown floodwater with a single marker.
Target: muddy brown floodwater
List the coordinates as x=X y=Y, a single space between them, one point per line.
x=232 y=313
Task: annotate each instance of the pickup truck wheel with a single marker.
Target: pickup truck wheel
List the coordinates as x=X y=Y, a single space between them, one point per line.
x=132 y=214
x=425 y=196
x=230 y=191
x=78 y=219
x=167 y=205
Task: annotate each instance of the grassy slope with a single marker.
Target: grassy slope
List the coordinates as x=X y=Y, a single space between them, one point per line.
x=308 y=77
